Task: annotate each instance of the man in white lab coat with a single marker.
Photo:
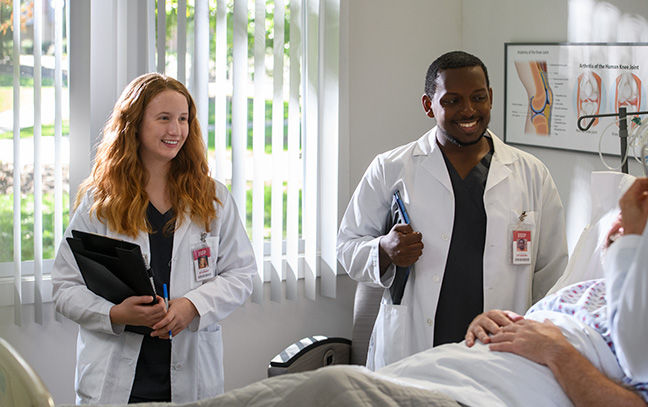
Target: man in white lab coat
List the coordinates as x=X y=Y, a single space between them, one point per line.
x=470 y=199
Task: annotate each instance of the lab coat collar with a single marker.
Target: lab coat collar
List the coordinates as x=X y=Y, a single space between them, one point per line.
x=432 y=160
x=427 y=145
x=504 y=154
x=181 y=231
x=503 y=157
x=500 y=167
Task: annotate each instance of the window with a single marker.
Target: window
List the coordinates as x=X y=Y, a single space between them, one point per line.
x=269 y=108
x=34 y=119
x=264 y=75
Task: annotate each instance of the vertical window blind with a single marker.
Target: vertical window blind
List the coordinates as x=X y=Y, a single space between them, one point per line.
x=33 y=149
x=264 y=75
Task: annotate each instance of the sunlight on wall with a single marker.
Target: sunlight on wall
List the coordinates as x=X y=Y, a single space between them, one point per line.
x=599 y=21
x=595 y=21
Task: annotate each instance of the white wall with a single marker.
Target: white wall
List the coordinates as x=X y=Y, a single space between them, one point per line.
x=549 y=21
x=391 y=45
x=386 y=48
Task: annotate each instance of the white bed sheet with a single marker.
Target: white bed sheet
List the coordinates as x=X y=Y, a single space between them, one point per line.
x=478 y=377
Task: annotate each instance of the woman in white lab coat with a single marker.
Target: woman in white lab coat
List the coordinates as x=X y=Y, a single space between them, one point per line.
x=516 y=182
x=150 y=185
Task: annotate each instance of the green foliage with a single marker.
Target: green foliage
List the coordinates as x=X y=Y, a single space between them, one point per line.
x=250 y=133
x=47 y=130
x=267 y=210
x=172 y=21
x=27 y=226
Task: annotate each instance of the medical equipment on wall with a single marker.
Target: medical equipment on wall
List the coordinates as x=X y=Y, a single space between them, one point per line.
x=637 y=139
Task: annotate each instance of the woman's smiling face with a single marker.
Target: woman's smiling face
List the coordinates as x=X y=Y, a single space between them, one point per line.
x=164 y=127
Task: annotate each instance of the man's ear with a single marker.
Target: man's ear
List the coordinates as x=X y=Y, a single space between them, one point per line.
x=427 y=105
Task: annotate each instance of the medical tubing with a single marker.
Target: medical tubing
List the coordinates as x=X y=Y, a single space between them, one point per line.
x=600 y=152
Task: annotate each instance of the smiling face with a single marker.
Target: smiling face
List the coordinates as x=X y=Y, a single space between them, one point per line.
x=164 y=128
x=461 y=105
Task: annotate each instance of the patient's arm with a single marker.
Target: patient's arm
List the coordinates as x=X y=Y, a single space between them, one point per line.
x=634 y=207
x=626 y=273
x=487 y=323
x=545 y=344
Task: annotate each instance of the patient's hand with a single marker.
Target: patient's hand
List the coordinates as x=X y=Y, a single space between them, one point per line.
x=634 y=207
x=540 y=342
x=490 y=322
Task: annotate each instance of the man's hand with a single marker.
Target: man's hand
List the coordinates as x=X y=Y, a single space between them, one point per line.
x=540 y=342
x=181 y=313
x=490 y=322
x=137 y=311
x=544 y=343
x=634 y=207
x=402 y=246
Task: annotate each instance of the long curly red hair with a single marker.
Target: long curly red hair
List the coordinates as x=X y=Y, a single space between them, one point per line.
x=118 y=176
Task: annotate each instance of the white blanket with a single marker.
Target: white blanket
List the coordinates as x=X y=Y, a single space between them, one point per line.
x=436 y=377
x=478 y=377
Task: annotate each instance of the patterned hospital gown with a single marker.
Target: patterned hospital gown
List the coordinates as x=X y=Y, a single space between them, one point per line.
x=586 y=301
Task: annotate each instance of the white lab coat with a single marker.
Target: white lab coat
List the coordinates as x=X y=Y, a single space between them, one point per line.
x=107 y=355
x=516 y=182
x=626 y=263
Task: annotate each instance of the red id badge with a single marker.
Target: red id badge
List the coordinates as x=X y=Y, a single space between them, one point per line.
x=521 y=241
x=202 y=259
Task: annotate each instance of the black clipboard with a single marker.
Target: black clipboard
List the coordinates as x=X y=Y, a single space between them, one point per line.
x=113 y=269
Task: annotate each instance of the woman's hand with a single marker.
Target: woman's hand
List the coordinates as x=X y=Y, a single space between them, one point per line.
x=490 y=322
x=137 y=311
x=181 y=313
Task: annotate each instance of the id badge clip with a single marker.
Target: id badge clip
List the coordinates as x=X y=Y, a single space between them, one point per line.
x=202 y=259
x=520 y=235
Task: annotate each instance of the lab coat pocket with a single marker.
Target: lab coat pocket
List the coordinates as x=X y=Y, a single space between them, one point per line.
x=391 y=334
x=210 y=377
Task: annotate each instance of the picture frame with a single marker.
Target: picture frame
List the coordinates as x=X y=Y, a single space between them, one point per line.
x=548 y=86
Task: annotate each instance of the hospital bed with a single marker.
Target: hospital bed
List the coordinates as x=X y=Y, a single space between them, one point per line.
x=19 y=383
x=405 y=383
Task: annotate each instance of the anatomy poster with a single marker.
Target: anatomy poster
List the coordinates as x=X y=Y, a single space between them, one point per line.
x=549 y=86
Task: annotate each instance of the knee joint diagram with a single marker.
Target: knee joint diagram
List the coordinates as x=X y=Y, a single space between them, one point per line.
x=535 y=79
x=588 y=99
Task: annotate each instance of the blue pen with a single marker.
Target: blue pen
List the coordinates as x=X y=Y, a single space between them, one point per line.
x=166 y=302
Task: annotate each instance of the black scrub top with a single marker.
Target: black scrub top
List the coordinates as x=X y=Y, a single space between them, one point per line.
x=462 y=291
x=153 y=373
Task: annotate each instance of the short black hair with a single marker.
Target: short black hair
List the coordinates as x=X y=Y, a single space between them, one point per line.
x=451 y=60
